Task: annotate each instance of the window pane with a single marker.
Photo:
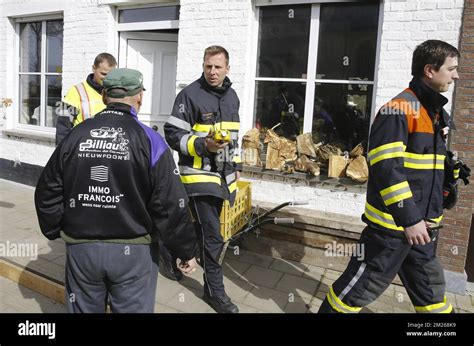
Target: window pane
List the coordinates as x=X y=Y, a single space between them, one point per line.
x=54 y=46
x=347 y=41
x=30 y=47
x=30 y=91
x=53 y=98
x=342 y=114
x=149 y=14
x=280 y=102
x=283 y=41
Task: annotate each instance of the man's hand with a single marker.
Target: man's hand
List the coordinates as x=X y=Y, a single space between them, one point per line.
x=212 y=146
x=188 y=267
x=417 y=234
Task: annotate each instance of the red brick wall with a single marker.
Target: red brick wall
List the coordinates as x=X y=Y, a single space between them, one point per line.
x=452 y=248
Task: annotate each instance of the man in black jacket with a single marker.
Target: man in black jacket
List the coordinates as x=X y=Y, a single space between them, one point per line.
x=110 y=186
x=203 y=128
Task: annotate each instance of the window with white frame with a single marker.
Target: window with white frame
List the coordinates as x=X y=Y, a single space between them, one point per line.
x=40 y=72
x=315 y=70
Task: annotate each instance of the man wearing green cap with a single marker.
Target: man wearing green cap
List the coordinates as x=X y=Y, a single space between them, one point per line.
x=108 y=189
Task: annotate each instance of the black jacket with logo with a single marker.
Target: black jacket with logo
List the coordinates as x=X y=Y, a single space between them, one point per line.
x=113 y=177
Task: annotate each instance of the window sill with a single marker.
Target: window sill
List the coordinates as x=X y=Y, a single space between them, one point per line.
x=303 y=179
x=45 y=137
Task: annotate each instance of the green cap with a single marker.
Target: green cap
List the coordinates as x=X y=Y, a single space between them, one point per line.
x=122 y=82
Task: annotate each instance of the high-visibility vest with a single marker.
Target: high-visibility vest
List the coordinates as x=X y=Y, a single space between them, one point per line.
x=86 y=100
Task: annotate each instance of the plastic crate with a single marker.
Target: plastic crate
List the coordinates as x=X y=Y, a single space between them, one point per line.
x=234 y=219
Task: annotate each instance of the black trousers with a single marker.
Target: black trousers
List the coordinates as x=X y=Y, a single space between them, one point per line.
x=206 y=211
x=386 y=255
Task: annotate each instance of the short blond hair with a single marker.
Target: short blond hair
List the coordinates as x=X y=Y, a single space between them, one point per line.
x=214 y=50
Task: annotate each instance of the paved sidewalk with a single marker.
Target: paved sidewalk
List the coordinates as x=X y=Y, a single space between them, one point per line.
x=255 y=283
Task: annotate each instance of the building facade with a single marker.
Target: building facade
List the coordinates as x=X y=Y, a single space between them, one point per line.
x=336 y=61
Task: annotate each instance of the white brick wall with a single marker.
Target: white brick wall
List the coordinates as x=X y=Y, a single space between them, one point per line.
x=215 y=22
x=322 y=199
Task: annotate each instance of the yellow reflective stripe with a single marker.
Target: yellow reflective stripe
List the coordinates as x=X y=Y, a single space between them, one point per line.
x=424 y=161
x=385 y=146
x=386 y=156
x=398 y=198
x=197 y=162
x=233 y=187
x=422 y=165
x=396 y=193
x=430 y=157
x=456 y=173
x=191 y=179
x=338 y=305
x=437 y=308
x=393 y=188
x=333 y=305
x=386 y=151
x=203 y=128
x=237 y=159
x=380 y=218
x=438 y=219
x=191 y=149
x=228 y=125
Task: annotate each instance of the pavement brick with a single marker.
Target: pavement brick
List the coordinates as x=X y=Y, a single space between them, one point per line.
x=19 y=299
x=237 y=289
x=160 y=308
x=266 y=299
x=296 y=307
x=297 y=285
x=234 y=268
x=262 y=276
x=464 y=302
x=253 y=258
x=188 y=300
x=289 y=267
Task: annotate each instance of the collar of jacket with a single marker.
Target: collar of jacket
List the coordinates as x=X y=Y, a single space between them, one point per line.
x=96 y=86
x=432 y=100
x=218 y=91
x=122 y=107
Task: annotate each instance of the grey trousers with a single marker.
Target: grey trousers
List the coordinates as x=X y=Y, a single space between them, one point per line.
x=124 y=275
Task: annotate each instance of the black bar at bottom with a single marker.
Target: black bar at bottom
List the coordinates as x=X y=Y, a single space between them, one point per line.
x=293 y=329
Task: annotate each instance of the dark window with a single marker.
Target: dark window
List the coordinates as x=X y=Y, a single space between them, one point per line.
x=347 y=41
x=280 y=102
x=284 y=41
x=149 y=14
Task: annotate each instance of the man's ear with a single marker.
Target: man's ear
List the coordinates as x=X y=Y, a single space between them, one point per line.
x=428 y=71
x=140 y=99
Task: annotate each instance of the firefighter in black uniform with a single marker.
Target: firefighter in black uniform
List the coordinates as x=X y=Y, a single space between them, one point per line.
x=203 y=128
x=404 y=206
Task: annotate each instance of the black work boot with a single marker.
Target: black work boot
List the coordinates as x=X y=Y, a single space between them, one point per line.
x=169 y=269
x=221 y=304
